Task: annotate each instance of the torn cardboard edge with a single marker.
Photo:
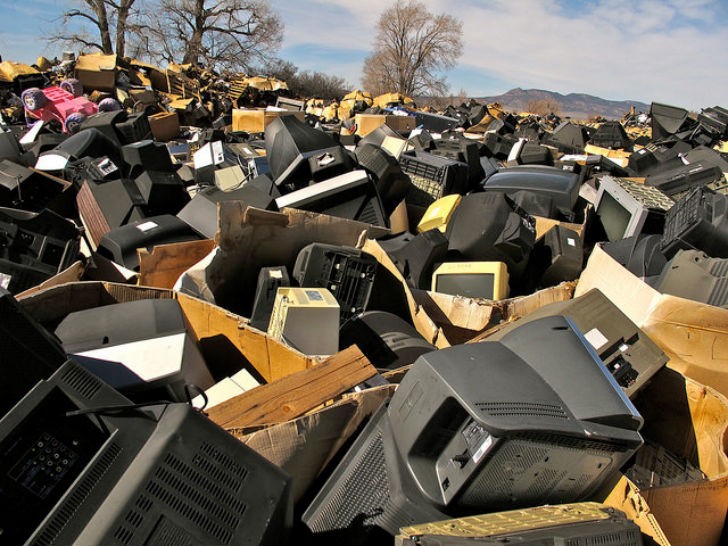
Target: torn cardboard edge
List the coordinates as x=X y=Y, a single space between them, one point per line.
x=271 y=359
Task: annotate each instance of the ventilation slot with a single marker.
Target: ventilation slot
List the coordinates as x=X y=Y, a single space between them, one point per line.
x=369 y=214
x=199 y=497
x=223 y=460
x=532 y=409
x=598 y=448
x=81 y=381
x=69 y=508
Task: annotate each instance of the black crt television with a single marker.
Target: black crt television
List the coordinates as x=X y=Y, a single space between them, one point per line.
x=640 y=254
x=560 y=185
x=490 y=227
x=352 y=195
x=34 y=246
x=626 y=351
x=82 y=465
x=120 y=244
x=693 y=275
x=289 y=143
x=433 y=176
x=415 y=256
x=532 y=419
x=698 y=221
x=347 y=272
x=86 y=143
x=29 y=352
x=24 y=188
x=142 y=347
x=677 y=181
x=392 y=183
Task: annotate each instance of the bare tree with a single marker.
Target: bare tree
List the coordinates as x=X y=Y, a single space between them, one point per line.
x=222 y=34
x=94 y=24
x=412 y=49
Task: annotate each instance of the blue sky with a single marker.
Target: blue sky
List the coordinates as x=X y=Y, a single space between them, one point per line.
x=669 y=51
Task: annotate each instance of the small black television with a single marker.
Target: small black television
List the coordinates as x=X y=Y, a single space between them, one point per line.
x=80 y=464
x=532 y=419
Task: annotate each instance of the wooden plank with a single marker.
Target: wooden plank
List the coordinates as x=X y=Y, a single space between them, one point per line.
x=294 y=395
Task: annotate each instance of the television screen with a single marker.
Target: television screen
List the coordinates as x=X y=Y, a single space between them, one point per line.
x=470 y=285
x=614 y=216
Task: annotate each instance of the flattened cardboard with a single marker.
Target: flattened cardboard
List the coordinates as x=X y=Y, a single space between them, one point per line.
x=255 y=120
x=694 y=335
x=304 y=446
x=366 y=123
x=207 y=322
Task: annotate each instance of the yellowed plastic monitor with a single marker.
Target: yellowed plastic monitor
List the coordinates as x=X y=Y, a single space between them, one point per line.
x=487 y=280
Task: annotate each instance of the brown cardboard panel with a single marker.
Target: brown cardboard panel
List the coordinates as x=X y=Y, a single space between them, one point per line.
x=256 y=120
x=421 y=321
x=304 y=446
x=692 y=334
x=269 y=358
x=164 y=126
x=73 y=273
x=366 y=123
x=296 y=394
x=165 y=263
x=251 y=238
x=626 y=497
x=97 y=71
x=690 y=420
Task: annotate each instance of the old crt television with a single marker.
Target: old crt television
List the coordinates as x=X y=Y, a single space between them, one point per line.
x=34 y=246
x=438 y=214
x=137 y=347
x=693 y=275
x=490 y=227
x=289 y=143
x=697 y=221
x=434 y=176
x=627 y=352
x=24 y=188
x=487 y=280
x=392 y=184
x=120 y=244
x=628 y=208
x=532 y=419
x=560 y=185
x=347 y=272
x=81 y=465
x=584 y=523
x=388 y=341
x=352 y=195
x=416 y=255
x=29 y=352
x=306 y=319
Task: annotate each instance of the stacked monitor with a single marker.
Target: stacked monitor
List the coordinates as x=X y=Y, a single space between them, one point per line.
x=487 y=280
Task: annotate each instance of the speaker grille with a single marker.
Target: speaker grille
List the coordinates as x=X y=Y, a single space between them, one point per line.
x=83 y=382
x=531 y=409
x=69 y=508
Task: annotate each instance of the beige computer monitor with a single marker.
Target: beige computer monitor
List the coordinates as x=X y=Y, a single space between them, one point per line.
x=438 y=214
x=487 y=280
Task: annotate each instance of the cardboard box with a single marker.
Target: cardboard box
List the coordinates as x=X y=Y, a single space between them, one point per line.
x=164 y=126
x=97 y=71
x=366 y=123
x=693 y=335
x=691 y=421
x=224 y=337
x=256 y=120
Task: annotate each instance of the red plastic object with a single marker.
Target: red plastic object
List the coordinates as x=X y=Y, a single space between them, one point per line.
x=60 y=105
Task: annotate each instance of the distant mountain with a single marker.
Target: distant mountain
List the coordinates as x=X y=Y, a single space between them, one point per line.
x=574 y=105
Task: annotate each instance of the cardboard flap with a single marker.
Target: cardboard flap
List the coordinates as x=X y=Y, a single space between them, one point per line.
x=304 y=446
x=96 y=63
x=73 y=273
x=694 y=335
x=163 y=265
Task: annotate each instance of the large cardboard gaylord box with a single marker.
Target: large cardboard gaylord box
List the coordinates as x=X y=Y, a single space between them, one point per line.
x=97 y=71
x=694 y=335
x=255 y=120
x=366 y=123
x=225 y=339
